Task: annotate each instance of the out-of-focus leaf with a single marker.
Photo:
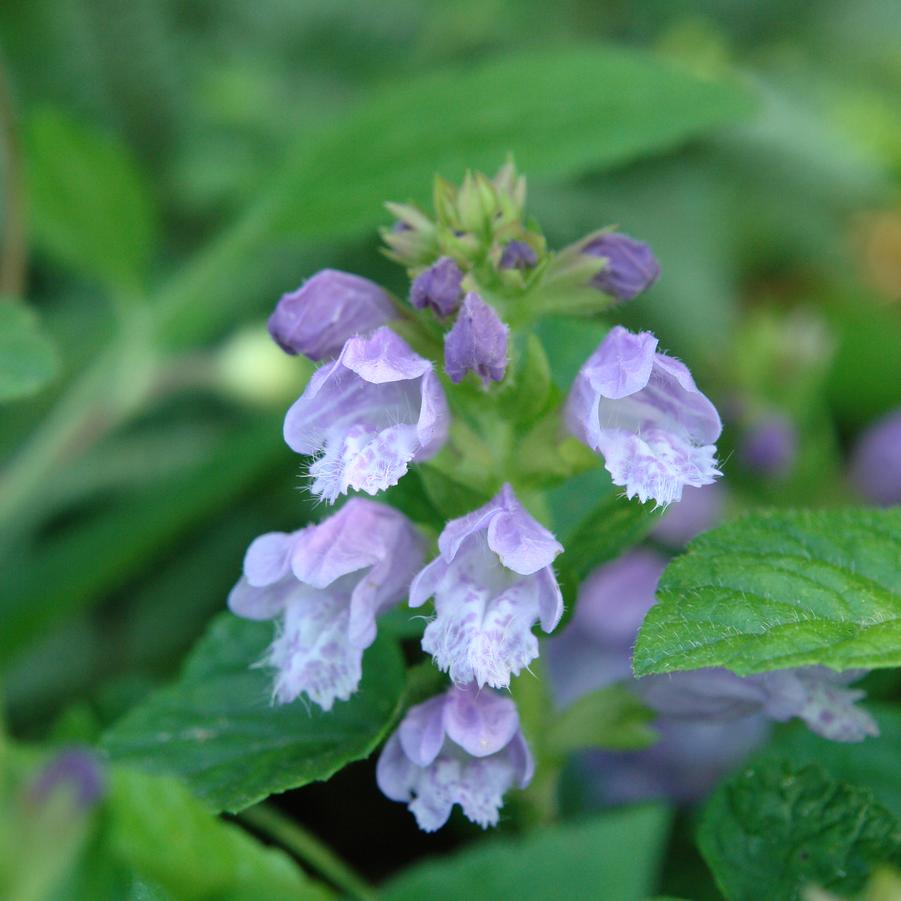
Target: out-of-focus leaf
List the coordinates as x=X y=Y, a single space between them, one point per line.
x=611 y=718
x=614 y=857
x=450 y=497
x=217 y=728
x=90 y=205
x=773 y=830
x=55 y=582
x=27 y=359
x=561 y=111
x=781 y=589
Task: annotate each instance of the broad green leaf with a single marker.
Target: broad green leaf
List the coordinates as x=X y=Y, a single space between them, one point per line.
x=90 y=205
x=164 y=835
x=611 y=718
x=871 y=764
x=217 y=728
x=614 y=857
x=773 y=830
x=562 y=111
x=781 y=589
x=27 y=358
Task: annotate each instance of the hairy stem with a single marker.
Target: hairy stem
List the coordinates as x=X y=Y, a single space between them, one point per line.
x=308 y=849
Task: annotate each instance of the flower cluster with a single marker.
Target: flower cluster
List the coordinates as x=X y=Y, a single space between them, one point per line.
x=381 y=402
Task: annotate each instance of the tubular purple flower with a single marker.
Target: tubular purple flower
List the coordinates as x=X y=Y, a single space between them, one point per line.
x=770 y=446
x=517 y=255
x=317 y=318
x=492 y=581
x=876 y=461
x=477 y=343
x=438 y=287
x=463 y=747
x=368 y=415
x=643 y=412
x=631 y=266
x=328 y=583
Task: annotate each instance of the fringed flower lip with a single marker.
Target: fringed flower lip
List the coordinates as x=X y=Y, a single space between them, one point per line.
x=368 y=415
x=462 y=747
x=641 y=410
x=327 y=584
x=492 y=580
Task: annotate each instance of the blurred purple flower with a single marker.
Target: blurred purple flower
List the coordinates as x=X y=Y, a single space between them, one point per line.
x=642 y=410
x=491 y=581
x=317 y=318
x=438 y=287
x=631 y=267
x=876 y=461
x=75 y=771
x=518 y=255
x=477 y=343
x=328 y=583
x=699 y=510
x=463 y=747
x=368 y=415
x=770 y=446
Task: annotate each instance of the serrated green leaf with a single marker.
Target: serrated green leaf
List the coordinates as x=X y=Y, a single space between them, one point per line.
x=781 y=589
x=217 y=728
x=772 y=831
x=614 y=857
x=159 y=831
x=619 y=104
x=611 y=718
x=27 y=358
x=90 y=205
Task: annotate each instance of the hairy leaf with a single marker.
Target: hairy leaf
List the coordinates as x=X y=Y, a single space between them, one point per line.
x=217 y=728
x=781 y=589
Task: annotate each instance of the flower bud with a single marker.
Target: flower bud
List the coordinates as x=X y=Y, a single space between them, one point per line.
x=518 y=255
x=476 y=343
x=332 y=306
x=438 y=287
x=631 y=266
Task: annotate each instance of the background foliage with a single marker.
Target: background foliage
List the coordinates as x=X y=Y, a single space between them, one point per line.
x=171 y=166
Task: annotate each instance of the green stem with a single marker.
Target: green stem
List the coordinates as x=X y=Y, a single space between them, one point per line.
x=307 y=848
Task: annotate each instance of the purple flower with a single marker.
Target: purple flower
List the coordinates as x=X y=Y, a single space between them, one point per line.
x=595 y=649
x=477 y=343
x=368 y=415
x=438 y=287
x=463 y=747
x=492 y=580
x=518 y=255
x=814 y=694
x=876 y=462
x=317 y=318
x=328 y=583
x=642 y=410
x=699 y=510
x=631 y=267
x=769 y=447
x=76 y=771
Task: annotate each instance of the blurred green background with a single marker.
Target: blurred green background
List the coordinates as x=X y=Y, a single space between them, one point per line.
x=170 y=167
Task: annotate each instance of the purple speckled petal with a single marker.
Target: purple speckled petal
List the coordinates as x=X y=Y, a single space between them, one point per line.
x=480 y=721
x=317 y=318
x=422 y=730
x=367 y=416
